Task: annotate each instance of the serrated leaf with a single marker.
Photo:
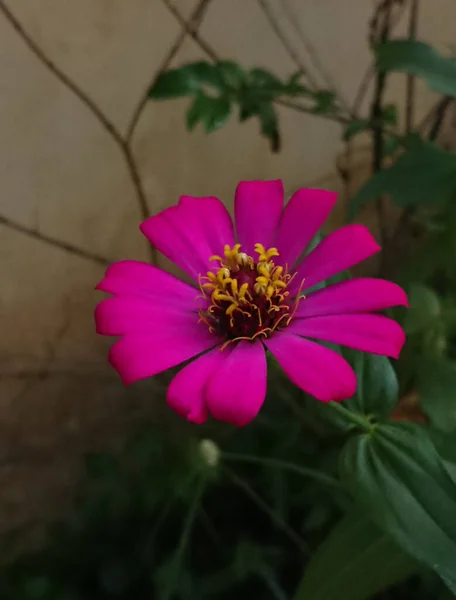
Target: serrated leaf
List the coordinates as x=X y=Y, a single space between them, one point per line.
x=418 y=58
x=248 y=109
x=423 y=174
x=355 y=561
x=270 y=125
x=185 y=81
x=293 y=88
x=265 y=79
x=436 y=384
x=324 y=102
x=211 y=112
x=354 y=128
x=396 y=475
x=231 y=72
x=377 y=389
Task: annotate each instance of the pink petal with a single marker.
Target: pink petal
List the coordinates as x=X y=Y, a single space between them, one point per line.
x=140 y=355
x=370 y=333
x=209 y=219
x=134 y=278
x=129 y=314
x=339 y=251
x=315 y=369
x=258 y=207
x=186 y=392
x=190 y=233
x=353 y=296
x=236 y=392
x=303 y=216
x=167 y=232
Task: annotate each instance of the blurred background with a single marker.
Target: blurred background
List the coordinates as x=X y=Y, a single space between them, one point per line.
x=84 y=158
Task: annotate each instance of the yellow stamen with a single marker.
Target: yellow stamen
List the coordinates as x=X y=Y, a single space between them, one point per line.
x=258 y=305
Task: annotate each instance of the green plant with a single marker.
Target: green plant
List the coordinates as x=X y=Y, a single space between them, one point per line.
x=311 y=502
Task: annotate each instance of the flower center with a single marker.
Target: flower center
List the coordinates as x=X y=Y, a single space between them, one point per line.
x=248 y=296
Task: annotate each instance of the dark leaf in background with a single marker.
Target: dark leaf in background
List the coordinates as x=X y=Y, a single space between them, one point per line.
x=324 y=102
x=265 y=81
x=356 y=561
x=185 y=81
x=396 y=475
x=389 y=115
x=424 y=308
x=418 y=58
x=232 y=74
x=249 y=108
x=377 y=391
x=355 y=128
x=390 y=145
x=211 y=112
x=294 y=88
x=423 y=174
x=436 y=384
x=269 y=125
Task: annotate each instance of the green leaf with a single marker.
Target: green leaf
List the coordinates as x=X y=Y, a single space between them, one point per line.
x=231 y=72
x=397 y=476
x=211 y=112
x=270 y=125
x=248 y=109
x=261 y=78
x=354 y=128
x=377 y=391
x=436 y=386
x=390 y=145
x=185 y=81
x=389 y=115
x=423 y=174
x=418 y=58
x=355 y=561
x=294 y=88
x=424 y=308
x=324 y=102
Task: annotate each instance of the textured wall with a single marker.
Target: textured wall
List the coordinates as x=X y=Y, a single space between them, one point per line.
x=68 y=176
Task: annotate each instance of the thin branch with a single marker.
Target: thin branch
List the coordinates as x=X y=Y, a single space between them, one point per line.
x=193 y=23
x=410 y=90
x=313 y=54
x=192 y=31
x=376 y=112
x=212 y=54
x=272 y=514
x=61 y=76
x=47 y=239
x=434 y=117
x=440 y=112
x=308 y=111
x=371 y=69
x=264 y=5
x=97 y=113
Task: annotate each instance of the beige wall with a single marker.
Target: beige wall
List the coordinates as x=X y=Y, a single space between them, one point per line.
x=63 y=175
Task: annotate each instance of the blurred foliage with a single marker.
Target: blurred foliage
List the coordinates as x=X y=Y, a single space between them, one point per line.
x=217 y=88
x=311 y=501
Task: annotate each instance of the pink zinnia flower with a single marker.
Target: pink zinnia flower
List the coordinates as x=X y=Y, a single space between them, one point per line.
x=248 y=298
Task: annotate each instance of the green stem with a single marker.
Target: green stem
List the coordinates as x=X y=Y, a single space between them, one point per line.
x=184 y=539
x=358 y=420
x=281 y=464
x=270 y=580
x=262 y=505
